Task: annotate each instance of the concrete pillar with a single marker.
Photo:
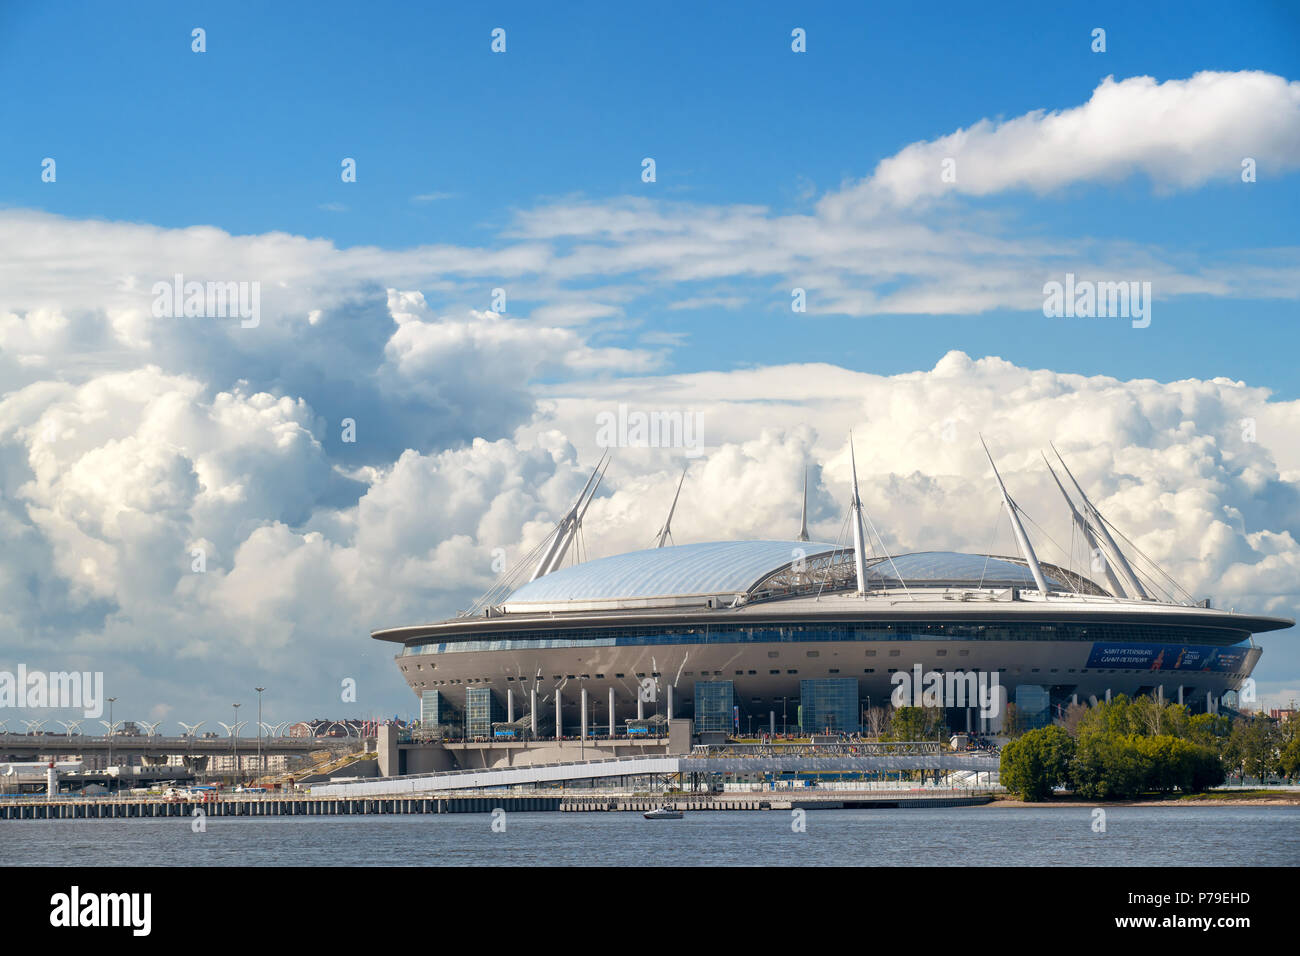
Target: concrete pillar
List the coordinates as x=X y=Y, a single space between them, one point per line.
x=387 y=752
x=1108 y=695
x=532 y=710
x=583 y=732
x=1180 y=695
x=559 y=716
x=640 y=706
x=967 y=720
x=1074 y=698
x=771 y=722
x=510 y=705
x=611 y=712
x=670 y=701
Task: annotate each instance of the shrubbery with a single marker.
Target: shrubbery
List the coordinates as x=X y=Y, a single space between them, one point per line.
x=1037 y=762
x=1124 y=749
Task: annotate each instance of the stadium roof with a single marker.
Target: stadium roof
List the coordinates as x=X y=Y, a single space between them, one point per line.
x=737 y=567
x=717 y=567
x=956 y=568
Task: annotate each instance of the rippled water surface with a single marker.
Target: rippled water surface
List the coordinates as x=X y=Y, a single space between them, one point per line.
x=966 y=836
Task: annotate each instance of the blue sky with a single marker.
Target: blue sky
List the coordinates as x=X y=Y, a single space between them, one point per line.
x=249 y=135
x=128 y=439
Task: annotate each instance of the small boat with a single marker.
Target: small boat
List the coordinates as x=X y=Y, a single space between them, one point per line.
x=663 y=813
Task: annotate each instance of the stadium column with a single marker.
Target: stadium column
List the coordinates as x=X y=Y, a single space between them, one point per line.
x=670 y=701
x=510 y=705
x=533 y=709
x=583 y=732
x=640 y=706
x=771 y=722
x=559 y=717
x=611 y=713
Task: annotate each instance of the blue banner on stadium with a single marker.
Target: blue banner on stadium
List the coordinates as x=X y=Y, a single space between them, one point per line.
x=1168 y=657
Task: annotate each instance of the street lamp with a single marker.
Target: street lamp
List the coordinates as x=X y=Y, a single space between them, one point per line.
x=261 y=768
x=234 y=741
x=111 y=701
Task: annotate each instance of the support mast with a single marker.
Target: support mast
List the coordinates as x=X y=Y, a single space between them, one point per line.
x=1116 y=588
x=666 y=530
x=1026 y=549
x=803 y=518
x=859 y=536
x=1134 y=585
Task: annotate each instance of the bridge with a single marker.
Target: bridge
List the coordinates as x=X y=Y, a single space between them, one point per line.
x=707 y=760
x=28 y=746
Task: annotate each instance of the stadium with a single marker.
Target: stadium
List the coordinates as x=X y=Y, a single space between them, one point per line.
x=797 y=636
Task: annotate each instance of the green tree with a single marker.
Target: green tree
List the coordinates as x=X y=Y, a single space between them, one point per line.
x=1289 y=758
x=1260 y=747
x=907 y=723
x=1208 y=730
x=1108 y=767
x=1037 y=762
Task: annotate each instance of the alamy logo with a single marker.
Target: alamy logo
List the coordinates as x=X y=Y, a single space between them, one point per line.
x=208 y=300
x=103 y=909
x=1085 y=299
x=658 y=429
x=947 y=689
x=53 y=689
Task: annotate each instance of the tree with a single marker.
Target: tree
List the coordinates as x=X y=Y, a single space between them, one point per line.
x=877 y=719
x=907 y=723
x=1289 y=759
x=1037 y=762
x=1072 y=718
x=1208 y=730
x=1107 y=767
x=1011 y=721
x=1260 y=747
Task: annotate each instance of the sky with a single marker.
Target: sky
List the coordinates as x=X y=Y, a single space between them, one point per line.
x=502 y=270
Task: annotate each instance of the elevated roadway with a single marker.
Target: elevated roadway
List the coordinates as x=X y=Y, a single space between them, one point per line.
x=733 y=759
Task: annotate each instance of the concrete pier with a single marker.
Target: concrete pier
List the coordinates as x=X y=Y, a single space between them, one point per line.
x=307 y=805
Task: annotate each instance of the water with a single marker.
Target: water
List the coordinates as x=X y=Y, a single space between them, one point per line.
x=964 y=836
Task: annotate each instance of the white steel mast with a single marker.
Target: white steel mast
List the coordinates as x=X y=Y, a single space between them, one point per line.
x=575 y=525
x=1026 y=549
x=1135 y=586
x=803 y=518
x=561 y=534
x=859 y=536
x=666 y=530
x=1116 y=588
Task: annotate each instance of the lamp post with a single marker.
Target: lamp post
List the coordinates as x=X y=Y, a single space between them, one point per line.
x=111 y=701
x=261 y=767
x=234 y=741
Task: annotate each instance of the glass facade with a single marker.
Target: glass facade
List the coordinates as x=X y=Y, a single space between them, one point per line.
x=714 y=700
x=829 y=706
x=433 y=708
x=1033 y=706
x=866 y=632
x=481 y=711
